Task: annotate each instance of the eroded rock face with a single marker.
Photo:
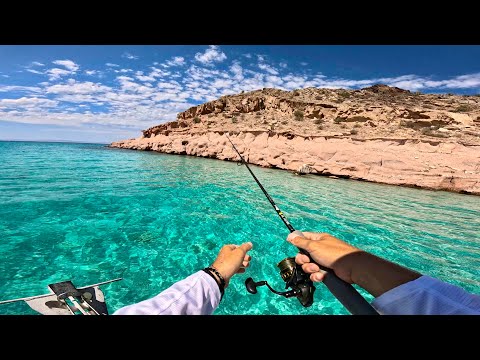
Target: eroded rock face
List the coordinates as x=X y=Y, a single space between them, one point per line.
x=431 y=165
x=379 y=134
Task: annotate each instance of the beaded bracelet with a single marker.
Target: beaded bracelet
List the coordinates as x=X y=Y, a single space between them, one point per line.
x=221 y=285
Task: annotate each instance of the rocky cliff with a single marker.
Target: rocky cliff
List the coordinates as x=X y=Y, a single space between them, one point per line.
x=381 y=134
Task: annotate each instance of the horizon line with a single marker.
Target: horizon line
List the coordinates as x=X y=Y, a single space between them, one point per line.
x=55 y=141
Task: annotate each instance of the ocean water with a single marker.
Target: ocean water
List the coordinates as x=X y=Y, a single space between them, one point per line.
x=87 y=213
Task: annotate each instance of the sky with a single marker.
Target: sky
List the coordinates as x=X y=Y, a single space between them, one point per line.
x=105 y=93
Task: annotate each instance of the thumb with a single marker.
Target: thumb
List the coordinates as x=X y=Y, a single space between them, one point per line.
x=298 y=241
x=246 y=246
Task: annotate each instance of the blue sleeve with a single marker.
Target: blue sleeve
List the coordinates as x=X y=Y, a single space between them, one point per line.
x=427 y=296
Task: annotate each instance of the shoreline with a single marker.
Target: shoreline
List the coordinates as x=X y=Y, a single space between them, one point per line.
x=414 y=163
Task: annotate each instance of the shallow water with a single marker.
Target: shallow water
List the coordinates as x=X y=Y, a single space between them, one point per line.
x=87 y=213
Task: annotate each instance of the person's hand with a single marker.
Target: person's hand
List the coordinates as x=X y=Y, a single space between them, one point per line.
x=232 y=259
x=325 y=250
x=352 y=265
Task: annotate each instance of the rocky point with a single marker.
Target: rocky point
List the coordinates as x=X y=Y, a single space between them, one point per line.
x=380 y=134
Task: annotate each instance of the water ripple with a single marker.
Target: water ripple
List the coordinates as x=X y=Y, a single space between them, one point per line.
x=88 y=213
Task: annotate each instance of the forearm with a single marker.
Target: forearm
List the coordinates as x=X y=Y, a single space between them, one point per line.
x=197 y=294
x=377 y=275
x=401 y=291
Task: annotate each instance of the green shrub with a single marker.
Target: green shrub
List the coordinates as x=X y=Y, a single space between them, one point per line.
x=429 y=132
x=463 y=108
x=196 y=119
x=404 y=123
x=298 y=115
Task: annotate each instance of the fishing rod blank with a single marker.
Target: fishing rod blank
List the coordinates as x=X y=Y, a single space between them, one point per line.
x=343 y=291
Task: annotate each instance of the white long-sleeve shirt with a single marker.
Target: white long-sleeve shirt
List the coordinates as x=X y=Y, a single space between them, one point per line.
x=427 y=296
x=198 y=294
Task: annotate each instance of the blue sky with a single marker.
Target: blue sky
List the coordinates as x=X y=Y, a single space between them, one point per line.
x=103 y=93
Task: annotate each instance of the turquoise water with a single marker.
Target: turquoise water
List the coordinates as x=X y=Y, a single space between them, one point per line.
x=88 y=213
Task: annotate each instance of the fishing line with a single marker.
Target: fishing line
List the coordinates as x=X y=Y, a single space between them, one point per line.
x=293 y=275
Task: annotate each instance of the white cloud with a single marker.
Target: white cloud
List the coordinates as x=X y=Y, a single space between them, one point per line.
x=268 y=68
x=458 y=82
x=275 y=80
x=303 y=63
x=13 y=88
x=165 y=96
x=237 y=70
x=57 y=73
x=73 y=87
x=69 y=64
x=128 y=85
x=248 y=56
x=36 y=63
x=176 y=61
x=112 y=65
x=124 y=78
x=198 y=73
x=193 y=84
x=222 y=83
x=76 y=98
x=283 y=65
x=211 y=55
x=413 y=82
x=25 y=102
x=129 y=56
x=91 y=72
x=123 y=71
x=169 y=85
x=35 y=71
x=156 y=72
x=145 y=78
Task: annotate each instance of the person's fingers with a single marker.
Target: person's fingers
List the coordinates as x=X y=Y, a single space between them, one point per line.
x=246 y=264
x=247 y=258
x=301 y=259
x=299 y=241
x=318 y=276
x=311 y=235
x=246 y=246
x=310 y=268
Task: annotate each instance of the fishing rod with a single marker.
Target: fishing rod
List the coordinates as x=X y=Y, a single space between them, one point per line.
x=294 y=276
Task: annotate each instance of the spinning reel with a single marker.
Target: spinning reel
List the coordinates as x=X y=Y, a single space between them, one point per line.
x=295 y=278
